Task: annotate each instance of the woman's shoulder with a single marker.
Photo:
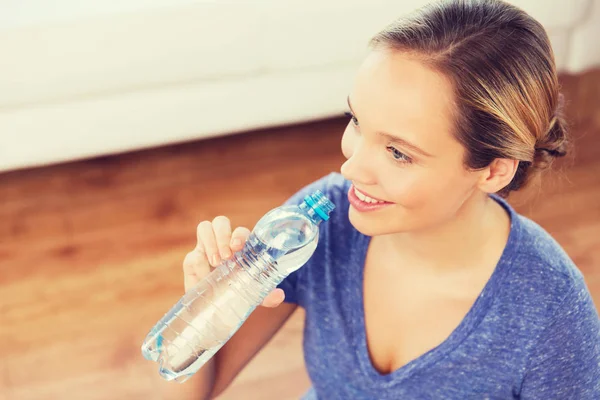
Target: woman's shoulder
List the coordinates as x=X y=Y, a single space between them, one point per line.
x=544 y=253
x=541 y=273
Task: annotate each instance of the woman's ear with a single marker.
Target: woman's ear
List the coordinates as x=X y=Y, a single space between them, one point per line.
x=498 y=175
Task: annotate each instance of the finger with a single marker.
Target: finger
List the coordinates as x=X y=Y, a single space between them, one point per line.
x=196 y=263
x=239 y=237
x=274 y=298
x=190 y=281
x=222 y=228
x=195 y=267
x=206 y=238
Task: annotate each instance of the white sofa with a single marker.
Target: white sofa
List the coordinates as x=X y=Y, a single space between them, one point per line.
x=81 y=78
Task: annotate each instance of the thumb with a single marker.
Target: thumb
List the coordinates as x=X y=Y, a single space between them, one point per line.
x=274 y=298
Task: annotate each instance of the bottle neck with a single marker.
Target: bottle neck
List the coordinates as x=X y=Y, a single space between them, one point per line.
x=311 y=213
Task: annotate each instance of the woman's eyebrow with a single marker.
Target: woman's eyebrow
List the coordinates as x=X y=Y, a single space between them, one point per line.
x=395 y=138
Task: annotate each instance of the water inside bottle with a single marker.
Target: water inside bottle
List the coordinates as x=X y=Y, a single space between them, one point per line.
x=182 y=342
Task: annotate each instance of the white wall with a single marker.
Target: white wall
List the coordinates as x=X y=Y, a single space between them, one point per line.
x=81 y=78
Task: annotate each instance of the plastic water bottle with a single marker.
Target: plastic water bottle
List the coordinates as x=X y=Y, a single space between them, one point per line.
x=208 y=314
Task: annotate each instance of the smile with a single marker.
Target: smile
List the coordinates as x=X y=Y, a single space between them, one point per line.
x=363 y=202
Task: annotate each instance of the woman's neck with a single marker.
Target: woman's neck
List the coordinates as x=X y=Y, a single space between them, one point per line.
x=478 y=232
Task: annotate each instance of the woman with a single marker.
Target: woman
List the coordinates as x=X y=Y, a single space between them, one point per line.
x=426 y=284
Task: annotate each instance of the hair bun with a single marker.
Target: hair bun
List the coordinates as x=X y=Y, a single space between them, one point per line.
x=553 y=145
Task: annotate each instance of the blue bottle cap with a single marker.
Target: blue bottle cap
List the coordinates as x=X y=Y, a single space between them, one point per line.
x=321 y=204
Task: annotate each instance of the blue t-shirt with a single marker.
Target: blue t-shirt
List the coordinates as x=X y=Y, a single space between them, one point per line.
x=533 y=333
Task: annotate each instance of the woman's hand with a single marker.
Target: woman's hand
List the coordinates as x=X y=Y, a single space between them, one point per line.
x=216 y=243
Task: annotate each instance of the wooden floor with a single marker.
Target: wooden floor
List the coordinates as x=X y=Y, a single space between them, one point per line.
x=90 y=252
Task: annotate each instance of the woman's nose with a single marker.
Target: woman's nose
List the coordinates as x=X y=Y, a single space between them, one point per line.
x=358 y=168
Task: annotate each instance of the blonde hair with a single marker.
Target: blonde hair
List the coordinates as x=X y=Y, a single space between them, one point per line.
x=502 y=68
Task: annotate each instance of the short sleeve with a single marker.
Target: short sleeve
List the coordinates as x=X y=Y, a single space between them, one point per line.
x=291 y=284
x=565 y=364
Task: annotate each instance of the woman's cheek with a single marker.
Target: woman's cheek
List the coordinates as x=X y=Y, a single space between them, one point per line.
x=405 y=188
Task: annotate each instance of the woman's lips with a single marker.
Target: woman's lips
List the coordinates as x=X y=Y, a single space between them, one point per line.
x=362 y=205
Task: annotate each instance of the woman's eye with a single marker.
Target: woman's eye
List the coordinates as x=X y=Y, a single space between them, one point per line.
x=398 y=155
x=352 y=117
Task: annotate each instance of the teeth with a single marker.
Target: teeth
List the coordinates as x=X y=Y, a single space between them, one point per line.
x=359 y=195
x=364 y=198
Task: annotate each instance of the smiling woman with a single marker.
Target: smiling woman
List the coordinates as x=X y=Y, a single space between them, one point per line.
x=456 y=106
x=431 y=286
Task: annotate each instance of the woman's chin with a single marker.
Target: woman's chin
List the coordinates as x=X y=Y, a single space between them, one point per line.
x=368 y=223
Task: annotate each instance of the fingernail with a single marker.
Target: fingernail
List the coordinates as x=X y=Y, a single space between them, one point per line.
x=236 y=242
x=225 y=252
x=215 y=259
